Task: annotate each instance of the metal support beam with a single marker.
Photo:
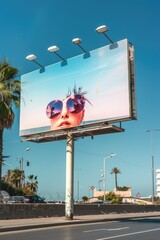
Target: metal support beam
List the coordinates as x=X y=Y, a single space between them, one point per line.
x=69 y=177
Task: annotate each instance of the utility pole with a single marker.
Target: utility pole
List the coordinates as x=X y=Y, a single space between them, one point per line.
x=21 y=167
x=152 y=159
x=104 y=172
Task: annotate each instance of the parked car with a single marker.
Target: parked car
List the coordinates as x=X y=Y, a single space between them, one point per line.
x=59 y=202
x=4 y=196
x=34 y=199
x=16 y=199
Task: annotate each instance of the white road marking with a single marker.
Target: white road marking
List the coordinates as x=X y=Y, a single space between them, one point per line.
x=96 y=230
x=128 y=234
x=106 y=229
x=117 y=229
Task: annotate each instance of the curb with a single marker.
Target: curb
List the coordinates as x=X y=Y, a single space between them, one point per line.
x=70 y=222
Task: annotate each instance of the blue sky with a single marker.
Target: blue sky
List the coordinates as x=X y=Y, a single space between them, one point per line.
x=31 y=27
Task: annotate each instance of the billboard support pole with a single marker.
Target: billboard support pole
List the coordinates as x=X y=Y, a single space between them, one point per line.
x=69 y=177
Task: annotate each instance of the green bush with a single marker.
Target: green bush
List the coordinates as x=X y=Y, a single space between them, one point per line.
x=85 y=199
x=124 y=188
x=11 y=190
x=117 y=200
x=111 y=196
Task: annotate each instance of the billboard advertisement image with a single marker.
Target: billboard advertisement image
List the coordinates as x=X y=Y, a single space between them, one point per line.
x=86 y=89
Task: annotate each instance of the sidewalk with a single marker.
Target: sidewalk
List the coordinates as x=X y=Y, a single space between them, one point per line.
x=22 y=224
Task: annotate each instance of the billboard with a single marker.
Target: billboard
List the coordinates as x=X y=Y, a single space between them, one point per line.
x=87 y=89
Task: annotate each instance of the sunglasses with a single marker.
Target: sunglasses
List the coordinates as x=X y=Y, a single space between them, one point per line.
x=74 y=105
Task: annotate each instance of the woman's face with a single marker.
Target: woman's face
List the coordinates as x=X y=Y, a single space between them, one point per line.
x=66 y=119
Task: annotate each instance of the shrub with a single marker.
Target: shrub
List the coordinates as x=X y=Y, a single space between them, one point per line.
x=11 y=190
x=124 y=188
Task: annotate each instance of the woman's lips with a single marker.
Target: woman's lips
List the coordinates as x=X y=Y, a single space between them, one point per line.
x=63 y=124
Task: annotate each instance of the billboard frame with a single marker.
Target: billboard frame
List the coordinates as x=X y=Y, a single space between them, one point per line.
x=95 y=128
x=79 y=132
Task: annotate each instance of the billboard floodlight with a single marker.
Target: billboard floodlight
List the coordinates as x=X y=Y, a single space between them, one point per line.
x=55 y=49
x=103 y=29
x=78 y=41
x=33 y=58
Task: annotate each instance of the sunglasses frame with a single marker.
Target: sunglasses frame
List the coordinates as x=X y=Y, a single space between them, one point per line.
x=78 y=99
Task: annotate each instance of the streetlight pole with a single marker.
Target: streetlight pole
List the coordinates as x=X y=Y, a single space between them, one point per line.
x=21 y=167
x=152 y=159
x=104 y=172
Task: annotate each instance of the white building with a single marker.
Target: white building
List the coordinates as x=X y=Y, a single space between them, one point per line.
x=122 y=194
x=158 y=182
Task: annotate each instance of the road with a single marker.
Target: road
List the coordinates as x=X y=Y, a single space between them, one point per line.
x=139 y=229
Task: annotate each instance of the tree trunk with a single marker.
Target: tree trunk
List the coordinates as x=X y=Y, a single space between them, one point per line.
x=116 y=181
x=1 y=156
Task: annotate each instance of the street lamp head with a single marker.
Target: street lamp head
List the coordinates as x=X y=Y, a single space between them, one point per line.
x=102 y=29
x=27 y=149
x=153 y=130
x=110 y=156
x=113 y=154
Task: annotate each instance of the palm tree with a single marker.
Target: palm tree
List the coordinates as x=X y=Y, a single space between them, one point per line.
x=14 y=177
x=9 y=95
x=33 y=184
x=115 y=171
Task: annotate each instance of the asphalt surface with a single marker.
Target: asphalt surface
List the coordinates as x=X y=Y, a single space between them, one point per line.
x=23 y=224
